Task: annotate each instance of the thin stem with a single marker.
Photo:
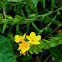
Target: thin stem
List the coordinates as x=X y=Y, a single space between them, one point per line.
x=53 y=31
x=47 y=58
x=28 y=28
x=4 y=14
x=40 y=32
x=33 y=19
x=35 y=26
x=50 y=12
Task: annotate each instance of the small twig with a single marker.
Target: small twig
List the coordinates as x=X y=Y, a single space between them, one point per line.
x=28 y=27
x=35 y=26
x=4 y=14
x=53 y=31
x=47 y=58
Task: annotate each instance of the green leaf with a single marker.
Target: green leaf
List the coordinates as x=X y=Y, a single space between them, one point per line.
x=4 y=27
x=1 y=57
x=44 y=45
x=43 y=3
x=22 y=13
x=34 y=49
x=32 y=15
x=30 y=51
x=9 y=17
x=17 y=28
x=1 y=15
x=52 y=5
x=27 y=9
x=35 y=2
x=60 y=3
x=14 y=0
x=38 y=48
x=56 y=54
x=17 y=19
x=6 y=51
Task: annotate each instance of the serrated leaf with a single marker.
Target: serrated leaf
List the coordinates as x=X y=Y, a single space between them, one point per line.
x=30 y=51
x=38 y=48
x=34 y=49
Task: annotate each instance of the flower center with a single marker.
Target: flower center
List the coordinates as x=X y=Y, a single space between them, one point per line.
x=33 y=40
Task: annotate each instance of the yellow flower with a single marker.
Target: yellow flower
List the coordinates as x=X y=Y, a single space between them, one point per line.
x=19 y=38
x=22 y=53
x=24 y=46
x=33 y=39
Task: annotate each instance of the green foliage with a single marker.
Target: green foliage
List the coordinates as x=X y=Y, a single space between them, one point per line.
x=52 y=5
x=35 y=2
x=56 y=54
x=46 y=44
x=6 y=51
x=24 y=16
x=26 y=58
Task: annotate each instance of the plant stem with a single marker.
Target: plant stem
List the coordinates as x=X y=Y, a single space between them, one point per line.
x=53 y=31
x=28 y=27
x=50 y=12
x=33 y=19
x=4 y=14
x=35 y=26
x=47 y=58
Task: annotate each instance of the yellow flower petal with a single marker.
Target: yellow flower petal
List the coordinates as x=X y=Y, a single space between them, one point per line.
x=24 y=35
x=32 y=34
x=17 y=36
x=38 y=37
x=22 y=53
x=24 y=46
x=33 y=39
x=36 y=43
x=28 y=37
x=17 y=40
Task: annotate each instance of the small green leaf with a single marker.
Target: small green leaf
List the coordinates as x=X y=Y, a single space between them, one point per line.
x=32 y=15
x=30 y=51
x=14 y=0
x=27 y=9
x=22 y=13
x=4 y=27
x=34 y=49
x=52 y=5
x=35 y=2
x=1 y=15
x=17 y=28
x=9 y=17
